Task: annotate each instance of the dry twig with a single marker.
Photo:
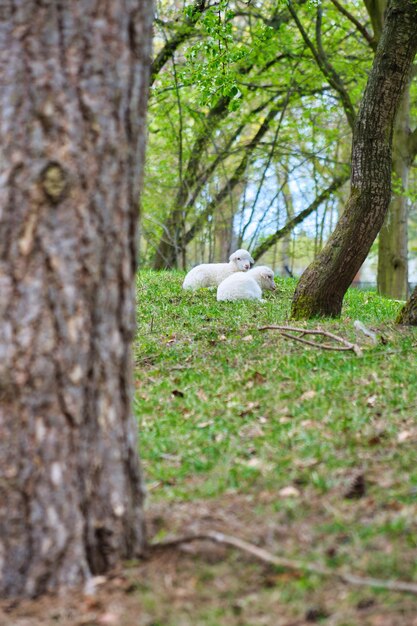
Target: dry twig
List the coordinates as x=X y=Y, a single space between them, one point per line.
x=286 y=330
x=267 y=557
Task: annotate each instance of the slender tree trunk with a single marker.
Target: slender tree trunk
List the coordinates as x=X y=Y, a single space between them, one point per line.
x=73 y=98
x=170 y=246
x=322 y=286
x=224 y=218
x=376 y=10
x=393 y=238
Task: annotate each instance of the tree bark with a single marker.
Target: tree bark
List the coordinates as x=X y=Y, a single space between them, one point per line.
x=322 y=286
x=392 y=277
x=408 y=314
x=74 y=79
x=393 y=239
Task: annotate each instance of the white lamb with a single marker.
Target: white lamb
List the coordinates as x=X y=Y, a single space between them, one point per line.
x=212 y=274
x=247 y=286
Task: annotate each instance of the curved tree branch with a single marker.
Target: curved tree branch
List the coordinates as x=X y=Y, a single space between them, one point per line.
x=182 y=35
x=234 y=179
x=291 y=224
x=323 y=64
x=361 y=28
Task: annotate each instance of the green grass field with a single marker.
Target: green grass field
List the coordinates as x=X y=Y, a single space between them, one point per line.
x=269 y=435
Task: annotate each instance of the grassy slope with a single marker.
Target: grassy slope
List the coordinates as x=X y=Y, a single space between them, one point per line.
x=226 y=411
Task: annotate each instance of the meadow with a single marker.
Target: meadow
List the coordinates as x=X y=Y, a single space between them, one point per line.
x=306 y=452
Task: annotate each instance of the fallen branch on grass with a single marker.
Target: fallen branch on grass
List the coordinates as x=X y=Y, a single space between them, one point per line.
x=286 y=331
x=267 y=557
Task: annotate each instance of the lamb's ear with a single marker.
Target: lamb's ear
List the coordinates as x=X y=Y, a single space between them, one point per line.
x=232 y=257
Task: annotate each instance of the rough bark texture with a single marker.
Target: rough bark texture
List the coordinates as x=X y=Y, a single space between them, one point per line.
x=392 y=277
x=324 y=283
x=393 y=238
x=74 y=79
x=408 y=314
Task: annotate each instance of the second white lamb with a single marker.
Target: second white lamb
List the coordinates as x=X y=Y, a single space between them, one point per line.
x=247 y=285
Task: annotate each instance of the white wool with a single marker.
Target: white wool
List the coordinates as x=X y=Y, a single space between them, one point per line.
x=248 y=285
x=212 y=274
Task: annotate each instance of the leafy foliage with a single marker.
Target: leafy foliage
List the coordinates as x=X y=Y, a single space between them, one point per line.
x=239 y=62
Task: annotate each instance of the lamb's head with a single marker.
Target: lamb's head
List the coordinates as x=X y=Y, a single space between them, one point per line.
x=242 y=260
x=264 y=276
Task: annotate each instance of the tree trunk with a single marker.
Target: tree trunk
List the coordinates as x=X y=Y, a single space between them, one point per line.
x=376 y=10
x=408 y=314
x=393 y=238
x=286 y=263
x=392 y=278
x=322 y=286
x=72 y=107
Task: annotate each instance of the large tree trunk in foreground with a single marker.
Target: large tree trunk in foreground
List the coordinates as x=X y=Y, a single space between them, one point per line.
x=324 y=283
x=74 y=78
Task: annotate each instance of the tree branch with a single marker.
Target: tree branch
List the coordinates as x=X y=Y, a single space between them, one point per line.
x=233 y=180
x=286 y=330
x=363 y=31
x=289 y=226
x=170 y=46
x=266 y=557
x=323 y=64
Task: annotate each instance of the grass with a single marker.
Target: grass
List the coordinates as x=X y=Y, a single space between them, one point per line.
x=227 y=412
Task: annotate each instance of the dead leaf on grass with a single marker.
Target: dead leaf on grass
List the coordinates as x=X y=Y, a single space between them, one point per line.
x=316 y=614
x=258 y=378
x=377 y=437
x=201 y=395
x=371 y=401
x=205 y=424
x=306 y=462
x=289 y=492
x=404 y=435
x=309 y=424
x=109 y=618
x=250 y=407
x=247 y=338
x=307 y=395
x=251 y=431
x=259 y=464
x=357 y=487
